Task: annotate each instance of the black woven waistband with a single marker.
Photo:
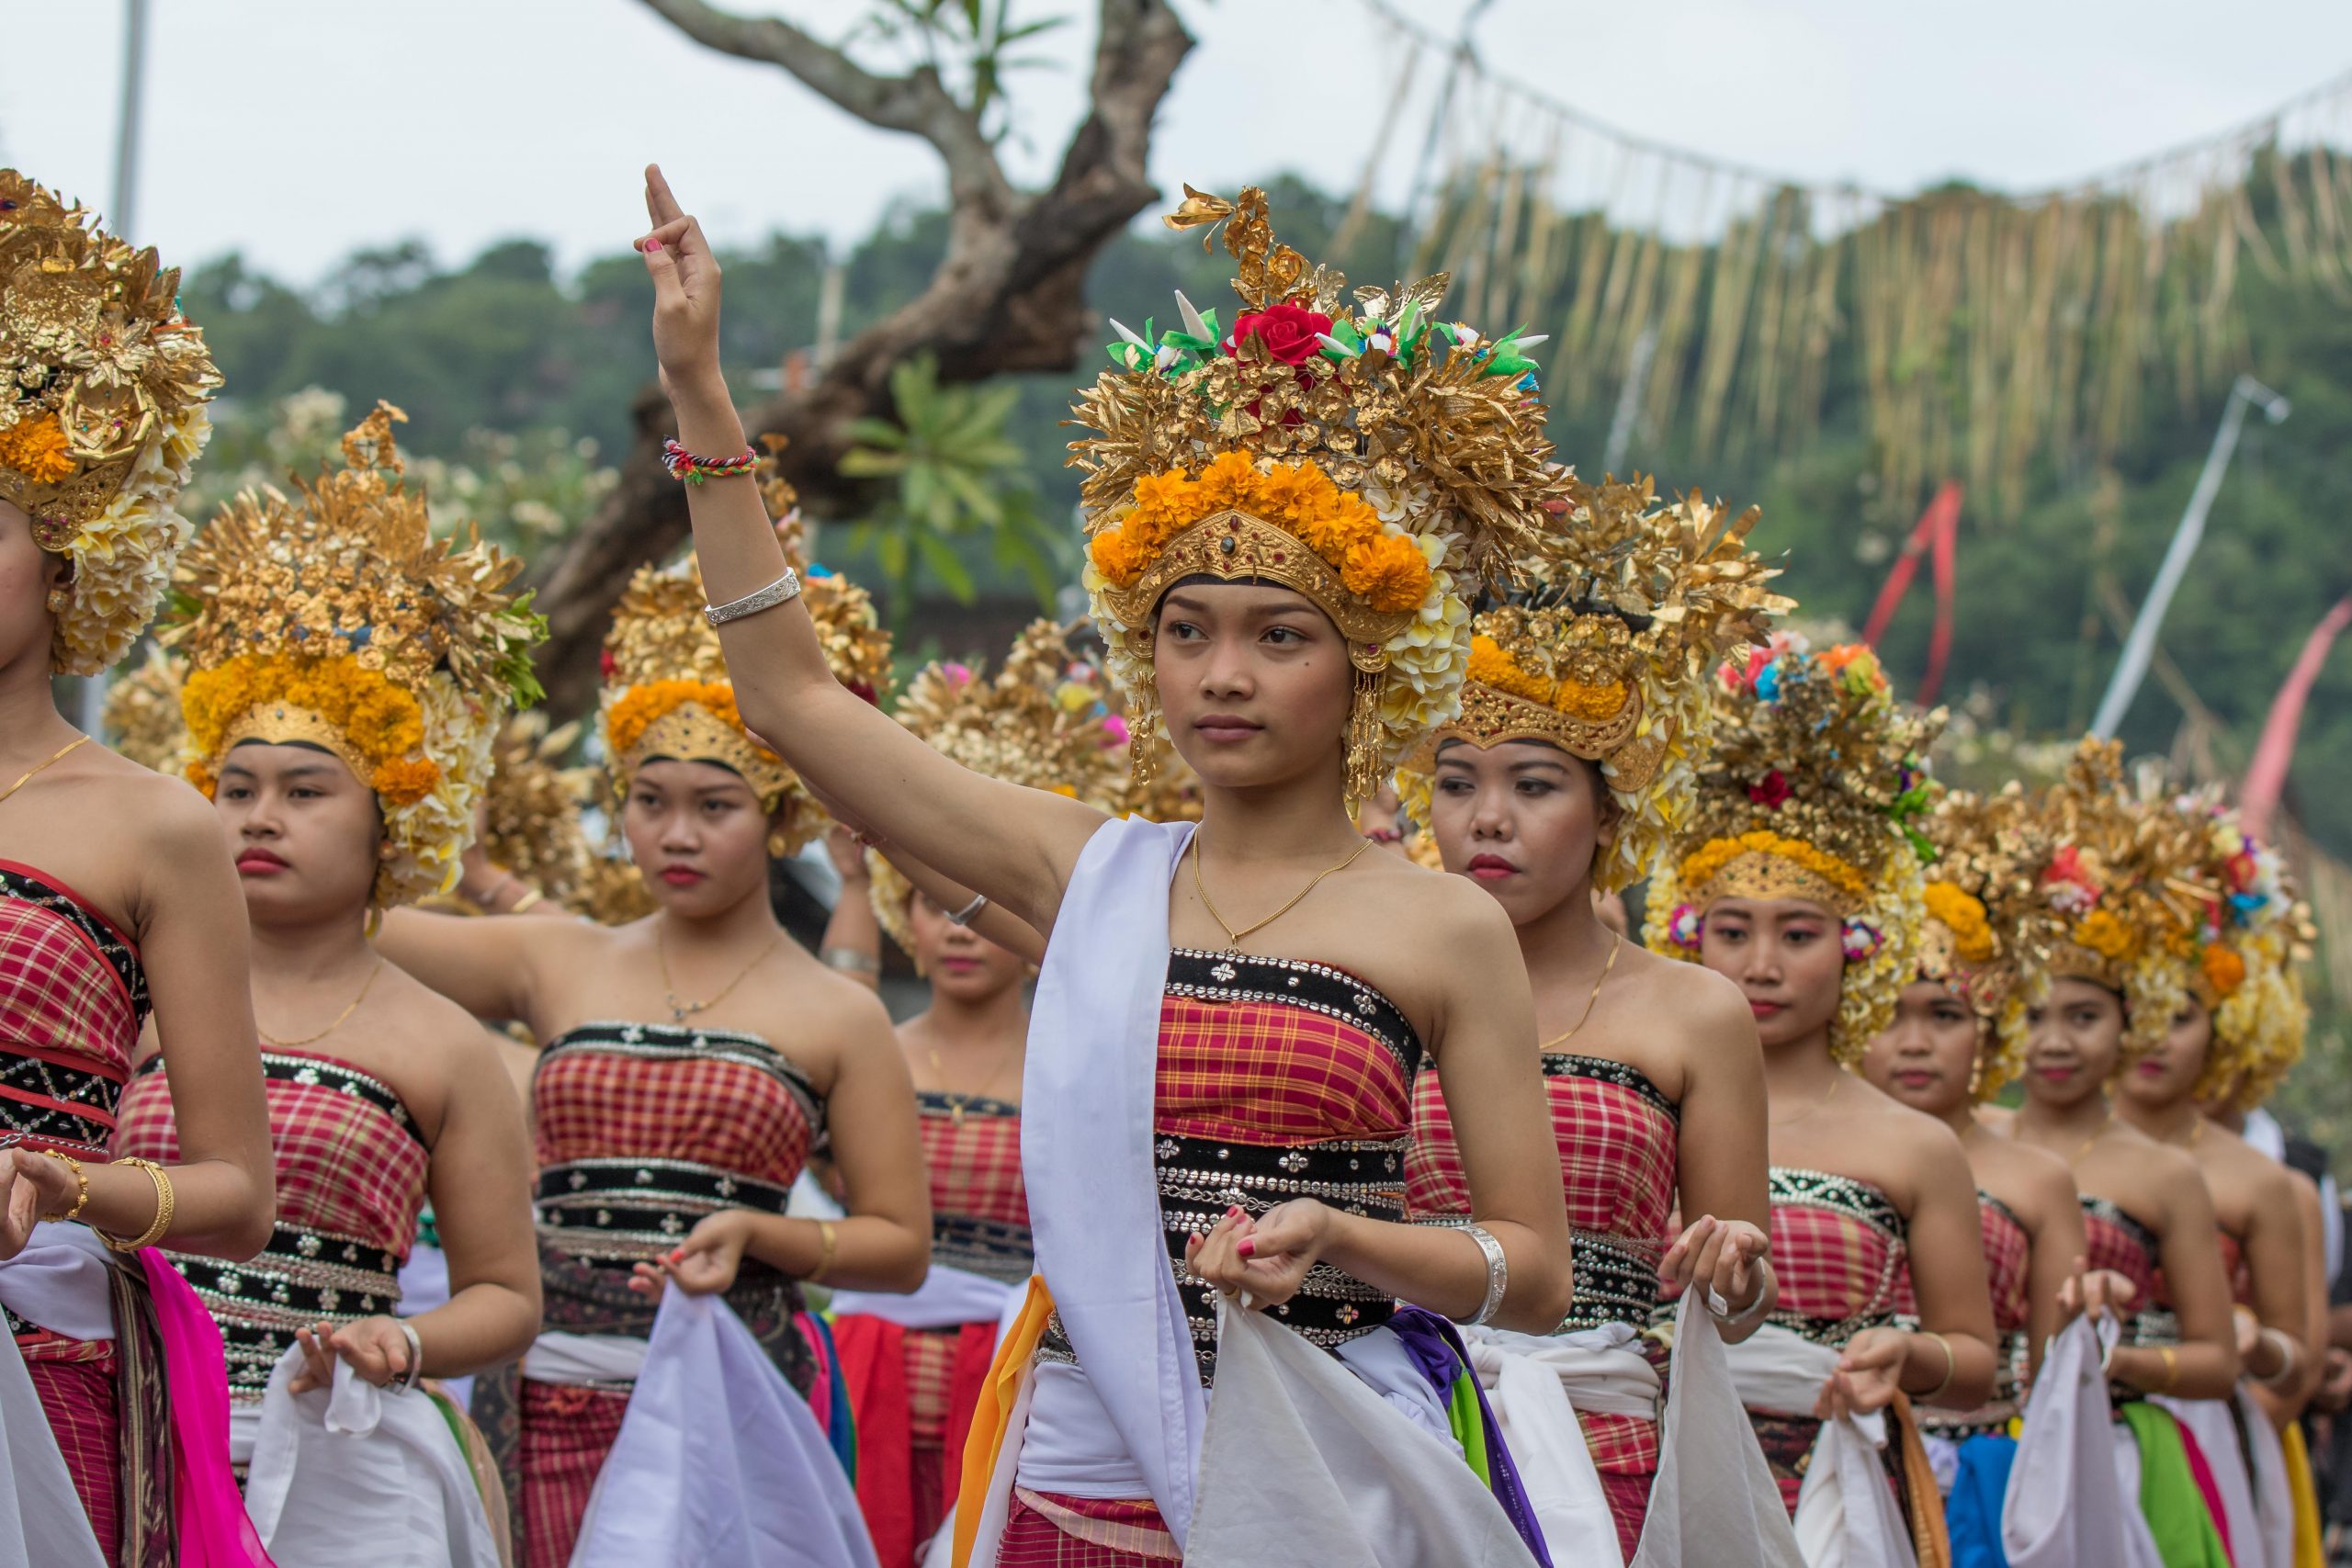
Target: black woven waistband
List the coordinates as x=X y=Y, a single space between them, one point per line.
x=997 y=1248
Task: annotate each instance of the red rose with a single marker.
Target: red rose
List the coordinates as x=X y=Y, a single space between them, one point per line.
x=606 y=663
x=1287 y=331
x=1771 y=792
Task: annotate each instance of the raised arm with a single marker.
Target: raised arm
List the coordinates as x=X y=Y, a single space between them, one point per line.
x=482 y=963
x=1001 y=926
x=887 y=778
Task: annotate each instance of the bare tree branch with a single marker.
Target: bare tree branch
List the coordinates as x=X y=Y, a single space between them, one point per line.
x=1008 y=297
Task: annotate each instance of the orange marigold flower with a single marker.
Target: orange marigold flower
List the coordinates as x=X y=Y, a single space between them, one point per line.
x=2224 y=970
x=1492 y=668
x=1387 y=573
x=1345 y=524
x=1120 y=557
x=37 y=448
x=403 y=780
x=2104 y=934
x=1230 y=481
x=1166 y=498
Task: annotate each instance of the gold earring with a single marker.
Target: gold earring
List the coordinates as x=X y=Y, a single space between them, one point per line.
x=60 y=598
x=375 y=921
x=1143 y=727
x=779 y=847
x=1363 y=739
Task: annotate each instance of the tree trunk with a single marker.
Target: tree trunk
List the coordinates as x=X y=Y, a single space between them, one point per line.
x=1008 y=295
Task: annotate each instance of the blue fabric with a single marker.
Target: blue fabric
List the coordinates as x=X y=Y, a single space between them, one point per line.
x=1437 y=1349
x=840 y=1422
x=1973 y=1513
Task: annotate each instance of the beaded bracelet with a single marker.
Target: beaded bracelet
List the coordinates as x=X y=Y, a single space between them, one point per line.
x=80 y=1177
x=684 y=466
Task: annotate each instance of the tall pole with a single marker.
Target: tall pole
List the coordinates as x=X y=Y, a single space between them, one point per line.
x=121 y=218
x=2141 y=645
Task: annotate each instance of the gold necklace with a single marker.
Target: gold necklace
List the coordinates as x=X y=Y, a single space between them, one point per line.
x=1816 y=1105
x=2077 y=1158
x=1232 y=938
x=680 y=1012
x=340 y=1019
x=27 y=777
x=1617 y=940
x=956 y=1103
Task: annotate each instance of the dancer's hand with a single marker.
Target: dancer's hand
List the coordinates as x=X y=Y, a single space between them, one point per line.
x=1721 y=1255
x=705 y=1263
x=1266 y=1259
x=2101 y=1292
x=375 y=1346
x=1868 y=1374
x=847 y=854
x=37 y=1187
x=685 y=290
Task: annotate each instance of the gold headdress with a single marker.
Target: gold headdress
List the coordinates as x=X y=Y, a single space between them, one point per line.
x=338 y=619
x=1984 y=927
x=1040 y=722
x=531 y=822
x=141 y=717
x=1809 y=793
x=102 y=392
x=667 y=692
x=1363 y=457
x=2110 y=885
x=1609 y=659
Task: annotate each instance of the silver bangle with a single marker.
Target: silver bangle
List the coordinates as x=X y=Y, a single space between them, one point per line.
x=768 y=598
x=849 y=960
x=2287 y=1357
x=1497 y=1275
x=409 y=1379
x=1753 y=1310
x=969 y=912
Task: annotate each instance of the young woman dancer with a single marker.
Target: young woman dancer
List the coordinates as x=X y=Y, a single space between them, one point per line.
x=1558 y=779
x=921 y=1360
x=690 y=1061
x=1947 y=1052
x=1795 y=875
x=2093 y=1003
x=102 y=415
x=1216 y=1094
x=345 y=784
x=2233 y=1000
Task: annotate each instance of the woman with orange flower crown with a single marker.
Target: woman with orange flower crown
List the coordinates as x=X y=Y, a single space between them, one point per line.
x=2102 y=995
x=1952 y=1046
x=102 y=392
x=1217 y=1098
x=1797 y=875
x=346 y=674
x=1562 y=774
x=2234 y=1002
x=690 y=1064
x=920 y=1360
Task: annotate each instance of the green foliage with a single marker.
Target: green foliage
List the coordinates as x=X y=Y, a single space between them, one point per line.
x=955 y=475
x=971 y=44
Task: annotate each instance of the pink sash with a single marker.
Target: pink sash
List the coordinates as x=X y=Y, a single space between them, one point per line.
x=214 y=1532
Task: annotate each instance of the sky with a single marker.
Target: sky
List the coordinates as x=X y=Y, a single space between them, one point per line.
x=296 y=132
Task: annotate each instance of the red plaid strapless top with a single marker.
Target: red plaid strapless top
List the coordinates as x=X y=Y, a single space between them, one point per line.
x=2120 y=1243
x=979 y=1208
x=2007 y=1253
x=1839 y=1251
x=1617 y=1136
x=71 y=998
x=351 y=1180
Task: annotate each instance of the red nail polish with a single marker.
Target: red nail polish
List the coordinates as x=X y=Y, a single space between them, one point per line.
x=652 y=244
x=1247 y=1247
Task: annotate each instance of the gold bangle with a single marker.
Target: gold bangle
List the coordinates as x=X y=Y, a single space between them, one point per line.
x=531 y=895
x=828 y=1241
x=2172 y=1366
x=80 y=1175
x=153 y=1232
x=1951 y=1366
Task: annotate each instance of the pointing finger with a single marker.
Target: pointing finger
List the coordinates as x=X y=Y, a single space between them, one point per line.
x=660 y=202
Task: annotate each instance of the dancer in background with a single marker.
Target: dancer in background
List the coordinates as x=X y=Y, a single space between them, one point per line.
x=1956 y=1038
x=1562 y=776
x=1205 y=1118
x=1798 y=876
x=115 y=898
x=921 y=1360
x=689 y=1063
x=346 y=672
x=2100 y=998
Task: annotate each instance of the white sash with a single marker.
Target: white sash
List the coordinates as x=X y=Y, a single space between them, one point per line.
x=2274 y=1499
x=2066 y=1505
x=1846 y=1514
x=1299 y=1451
x=59 y=1282
x=356 y=1477
x=556 y=1356
x=1086 y=1138
x=719 y=1460
x=949 y=1297
x=1713 y=1501
x=2209 y=1422
x=41 y=1519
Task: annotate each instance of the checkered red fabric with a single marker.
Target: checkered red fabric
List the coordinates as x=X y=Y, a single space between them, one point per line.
x=2007 y=1253
x=2112 y=1246
x=1838 y=1249
x=931 y=1385
x=975 y=1163
x=67 y=1011
x=343 y=1165
x=1269 y=1072
x=595 y=1104
x=1629 y=1503
x=1617 y=1156
x=567 y=1432
x=79 y=1399
x=1047 y=1530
